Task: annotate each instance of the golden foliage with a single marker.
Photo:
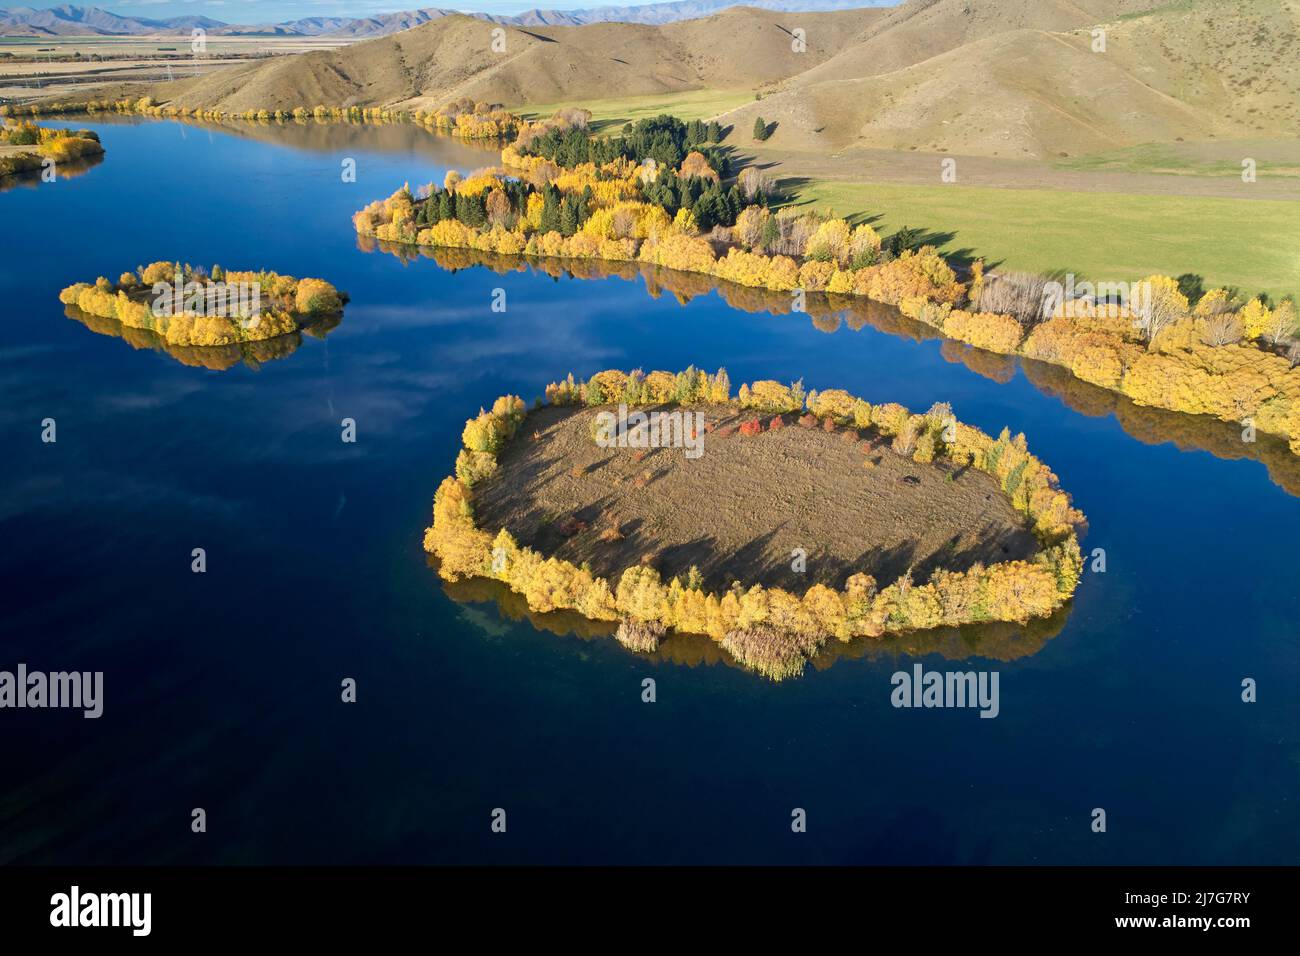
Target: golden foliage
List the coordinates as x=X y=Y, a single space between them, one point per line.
x=767 y=629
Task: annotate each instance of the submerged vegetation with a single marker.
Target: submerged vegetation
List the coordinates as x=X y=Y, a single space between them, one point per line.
x=768 y=629
x=186 y=305
x=559 y=192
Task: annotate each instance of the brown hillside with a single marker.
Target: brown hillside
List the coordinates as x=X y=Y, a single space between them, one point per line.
x=1005 y=78
x=451 y=57
x=1195 y=71
x=920 y=29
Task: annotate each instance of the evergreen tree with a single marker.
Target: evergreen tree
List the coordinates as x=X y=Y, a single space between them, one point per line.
x=550 y=210
x=569 y=215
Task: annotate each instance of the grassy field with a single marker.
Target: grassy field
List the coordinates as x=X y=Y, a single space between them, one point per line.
x=611 y=114
x=1280 y=158
x=1248 y=244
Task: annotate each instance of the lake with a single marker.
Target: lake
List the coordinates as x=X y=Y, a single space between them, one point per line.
x=222 y=689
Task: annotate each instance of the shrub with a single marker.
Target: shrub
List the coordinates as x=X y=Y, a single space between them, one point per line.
x=771 y=397
x=834 y=403
x=474 y=466
x=984 y=330
x=751 y=427
x=483 y=433
x=641 y=637
x=776 y=423
x=572 y=526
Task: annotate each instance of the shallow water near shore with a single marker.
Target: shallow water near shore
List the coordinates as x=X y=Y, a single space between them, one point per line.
x=221 y=690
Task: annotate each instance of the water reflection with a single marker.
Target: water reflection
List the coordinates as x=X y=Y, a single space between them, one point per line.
x=831 y=313
x=70 y=169
x=997 y=641
x=218 y=358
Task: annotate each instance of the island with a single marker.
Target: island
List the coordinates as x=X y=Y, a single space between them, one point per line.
x=185 y=305
x=26 y=147
x=769 y=521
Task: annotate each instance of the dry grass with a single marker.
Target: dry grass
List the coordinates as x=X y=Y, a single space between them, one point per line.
x=739 y=510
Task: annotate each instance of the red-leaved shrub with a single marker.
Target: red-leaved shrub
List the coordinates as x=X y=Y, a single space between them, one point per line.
x=751 y=427
x=776 y=423
x=571 y=526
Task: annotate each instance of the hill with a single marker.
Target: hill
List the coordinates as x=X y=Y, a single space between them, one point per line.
x=452 y=56
x=993 y=78
x=1189 y=71
x=69 y=20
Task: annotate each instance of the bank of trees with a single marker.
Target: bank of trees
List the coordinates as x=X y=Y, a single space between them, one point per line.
x=664 y=139
x=655 y=196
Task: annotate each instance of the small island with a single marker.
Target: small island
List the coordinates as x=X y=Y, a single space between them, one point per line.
x=186 y=305
x=771 y=520
x=25 y=147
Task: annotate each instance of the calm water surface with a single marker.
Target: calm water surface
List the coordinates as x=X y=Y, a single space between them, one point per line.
x=222 y=689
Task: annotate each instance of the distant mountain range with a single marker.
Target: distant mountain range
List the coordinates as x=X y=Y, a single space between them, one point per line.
x=69 y=20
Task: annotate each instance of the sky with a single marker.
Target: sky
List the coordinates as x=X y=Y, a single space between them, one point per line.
x=275 y=11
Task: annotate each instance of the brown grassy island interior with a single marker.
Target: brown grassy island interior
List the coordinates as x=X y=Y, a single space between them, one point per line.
x=906 y=522
x=744 y=508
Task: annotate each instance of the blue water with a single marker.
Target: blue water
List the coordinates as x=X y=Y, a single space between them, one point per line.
x=222 y=689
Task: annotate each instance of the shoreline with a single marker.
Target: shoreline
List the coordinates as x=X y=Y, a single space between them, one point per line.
x=919 y=309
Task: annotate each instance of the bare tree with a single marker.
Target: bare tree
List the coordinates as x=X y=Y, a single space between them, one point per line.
x=793 y=232
x=1018 y=294
x=1221 y=328
x=1282 y=323
x=1162 y=308
x=623 y=224
x=753 y=181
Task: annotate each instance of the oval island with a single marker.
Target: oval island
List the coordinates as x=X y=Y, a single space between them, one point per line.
x=771 y=520
x=186 y=305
